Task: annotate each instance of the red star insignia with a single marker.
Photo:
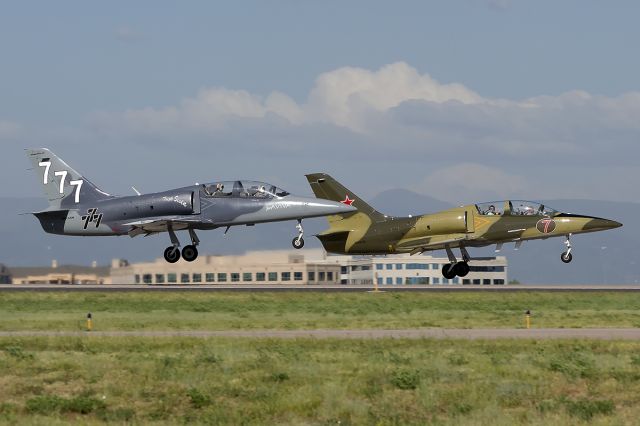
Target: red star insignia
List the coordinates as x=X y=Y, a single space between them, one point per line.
x=347 y=200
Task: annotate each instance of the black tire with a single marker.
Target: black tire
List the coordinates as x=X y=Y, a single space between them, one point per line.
x=297 y=243
x=172 y=254
x=448 y=271
x=566 y=257
x=189 y=253
x=461 y=269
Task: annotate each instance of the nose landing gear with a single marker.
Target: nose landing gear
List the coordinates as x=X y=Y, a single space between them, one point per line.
x=298 y=242
x=567 y=257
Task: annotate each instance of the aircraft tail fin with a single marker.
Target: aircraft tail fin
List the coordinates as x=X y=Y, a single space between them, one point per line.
x=63 y=187
x=326 y=187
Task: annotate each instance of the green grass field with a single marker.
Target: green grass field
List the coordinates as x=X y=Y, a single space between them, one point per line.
x=302 y=310
x=91 y=379
x=244 y=381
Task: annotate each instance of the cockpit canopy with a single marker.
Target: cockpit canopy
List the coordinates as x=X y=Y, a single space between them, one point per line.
x=514 y=208
x=242 y=189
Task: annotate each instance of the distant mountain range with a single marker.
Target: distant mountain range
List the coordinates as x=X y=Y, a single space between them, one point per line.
x=605 y=257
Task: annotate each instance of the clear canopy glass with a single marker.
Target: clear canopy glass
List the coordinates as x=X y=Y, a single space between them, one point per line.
x=243 y=189
x=514 y=208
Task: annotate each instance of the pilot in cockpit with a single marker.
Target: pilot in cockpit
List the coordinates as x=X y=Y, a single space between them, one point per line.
x=219 y=190
x=491 y=211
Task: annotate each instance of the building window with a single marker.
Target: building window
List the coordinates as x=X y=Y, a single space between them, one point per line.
x=235 y=277
x=184 y=278
x=366 y=268
x=273 y=276
x=321 y=276
x=210 y=277
x=389 y=266
x=466 y=281
x=297 y=276
x=456 y=280
x=486 y=281
x=329 y=276
x=379 y=281
x=343 y=270
x=435 y=266
x=436 y=280
x=247 y=276
x=389 y=280
x=498 y=281
x=196 y=278
x=476 y=281
x=146 y=278
x=379 y=266
x=399 y=280
x=172 y=278
x=260 y=276
x=486 y=268
x=311 y=276
x=222 y=277
x=398 y=265
x=137 y=278
x=159 y=278
x=286 y=276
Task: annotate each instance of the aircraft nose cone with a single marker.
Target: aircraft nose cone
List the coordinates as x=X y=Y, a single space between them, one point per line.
x=602 y=224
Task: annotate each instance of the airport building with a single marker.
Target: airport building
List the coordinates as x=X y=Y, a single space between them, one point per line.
x=258 y=267
x=409 y=270
x=61 y=274
x=309 y=267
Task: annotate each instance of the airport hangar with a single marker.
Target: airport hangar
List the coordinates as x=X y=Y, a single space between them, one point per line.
x=271 y=267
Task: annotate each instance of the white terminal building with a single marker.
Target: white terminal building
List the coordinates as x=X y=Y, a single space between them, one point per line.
x=308 y=267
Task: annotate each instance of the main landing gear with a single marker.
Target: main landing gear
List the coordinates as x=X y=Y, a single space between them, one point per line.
x=298 y=242
x=455 y=268
x=189 y=252
x=566 y=256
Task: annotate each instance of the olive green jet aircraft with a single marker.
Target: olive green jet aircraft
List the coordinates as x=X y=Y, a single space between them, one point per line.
x=366 y=231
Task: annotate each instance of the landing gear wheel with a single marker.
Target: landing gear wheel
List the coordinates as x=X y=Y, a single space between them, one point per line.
x=172 y=254
x=461 y=269
x=189 y=253
x=448 y=270
x=297 y=243
x=566 y=257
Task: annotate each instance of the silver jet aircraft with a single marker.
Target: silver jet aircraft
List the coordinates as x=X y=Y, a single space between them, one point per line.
x=78 y=207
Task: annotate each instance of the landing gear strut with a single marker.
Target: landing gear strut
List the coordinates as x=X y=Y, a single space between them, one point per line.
x=567 y=257
x=455 y=268
x=190 y=252
x=172 y=253
x=298 y=242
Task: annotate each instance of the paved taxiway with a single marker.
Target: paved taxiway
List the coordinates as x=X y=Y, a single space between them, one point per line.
x=318 y=288
x=420 y=333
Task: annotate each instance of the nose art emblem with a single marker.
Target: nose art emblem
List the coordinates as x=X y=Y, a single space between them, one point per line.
x=546 y=226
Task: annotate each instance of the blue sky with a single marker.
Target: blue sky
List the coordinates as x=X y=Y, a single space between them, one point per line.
x=111 y=79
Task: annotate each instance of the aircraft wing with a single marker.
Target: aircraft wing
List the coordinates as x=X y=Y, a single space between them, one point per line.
x=436 y=242
x=161 y=224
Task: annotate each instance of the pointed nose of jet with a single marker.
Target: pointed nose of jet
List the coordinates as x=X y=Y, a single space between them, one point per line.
x=600 y=224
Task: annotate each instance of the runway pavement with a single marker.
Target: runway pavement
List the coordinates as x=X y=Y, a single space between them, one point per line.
x=317 y=288
x=421 y=333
